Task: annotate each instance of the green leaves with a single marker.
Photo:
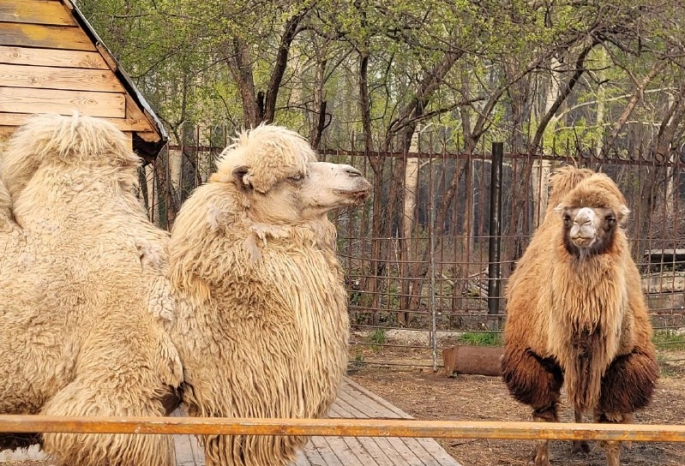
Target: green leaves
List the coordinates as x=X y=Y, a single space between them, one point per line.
x=208 y=61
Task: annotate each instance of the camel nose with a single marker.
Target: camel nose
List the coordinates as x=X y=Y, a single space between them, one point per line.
x=584 y=216
x=353 y=172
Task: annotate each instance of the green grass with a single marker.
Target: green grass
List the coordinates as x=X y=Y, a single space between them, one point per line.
x=377 y=339
x=481 y=339
x=668 y=340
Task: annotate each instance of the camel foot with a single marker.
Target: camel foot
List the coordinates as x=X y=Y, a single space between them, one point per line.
x=613 y=452
x=580 y=446
x=540 y=455
x=539 y=461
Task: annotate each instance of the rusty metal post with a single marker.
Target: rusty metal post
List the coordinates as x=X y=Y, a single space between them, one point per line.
x=495 y=230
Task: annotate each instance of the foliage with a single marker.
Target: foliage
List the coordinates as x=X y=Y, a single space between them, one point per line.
x=204 y=62
x=377 y=338
x=481 y=339
x=667 y=340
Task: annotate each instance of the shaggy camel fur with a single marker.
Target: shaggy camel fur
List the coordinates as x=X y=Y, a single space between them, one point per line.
x=262 y=323
x=79 y=334
x=576 y=314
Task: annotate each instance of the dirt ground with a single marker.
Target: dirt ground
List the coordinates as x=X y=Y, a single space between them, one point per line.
x=433 y=396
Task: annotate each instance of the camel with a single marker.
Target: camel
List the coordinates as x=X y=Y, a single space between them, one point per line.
x=78 y=336
x=576 y=314
x=245 y=316
x=259 y=288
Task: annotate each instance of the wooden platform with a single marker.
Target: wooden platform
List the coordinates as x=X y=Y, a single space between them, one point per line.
x=354 y=401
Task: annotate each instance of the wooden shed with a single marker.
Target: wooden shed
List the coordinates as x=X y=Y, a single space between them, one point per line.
x=52 y=61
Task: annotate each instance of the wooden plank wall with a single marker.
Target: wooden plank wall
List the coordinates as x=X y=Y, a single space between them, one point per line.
x=48 y=64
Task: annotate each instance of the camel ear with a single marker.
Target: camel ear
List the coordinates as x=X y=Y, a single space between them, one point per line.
x=623 y=212
x=242 y=178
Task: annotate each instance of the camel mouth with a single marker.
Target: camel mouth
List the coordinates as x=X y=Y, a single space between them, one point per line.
x=357 y=195
x=583 y=242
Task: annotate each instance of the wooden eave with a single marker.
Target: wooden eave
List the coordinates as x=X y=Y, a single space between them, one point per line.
x=53 y=61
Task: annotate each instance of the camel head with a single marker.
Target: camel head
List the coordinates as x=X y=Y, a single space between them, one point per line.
x=276 y=171
x=592 y=213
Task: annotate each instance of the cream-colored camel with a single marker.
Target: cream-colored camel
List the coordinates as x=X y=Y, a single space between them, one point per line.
x=262 y=322
x=253 y=297
x=77 y=331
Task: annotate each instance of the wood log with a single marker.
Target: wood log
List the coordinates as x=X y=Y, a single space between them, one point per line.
x=476 y=360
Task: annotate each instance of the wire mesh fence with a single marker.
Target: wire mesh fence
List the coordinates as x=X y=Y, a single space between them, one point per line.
x=418 y=253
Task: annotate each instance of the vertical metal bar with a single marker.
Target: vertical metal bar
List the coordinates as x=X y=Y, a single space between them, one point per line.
x=433 y=307
x=495 y=228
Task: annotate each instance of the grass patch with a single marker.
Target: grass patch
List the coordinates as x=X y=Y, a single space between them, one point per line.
x=666 y=340
x=481 y=339
x=377 y=339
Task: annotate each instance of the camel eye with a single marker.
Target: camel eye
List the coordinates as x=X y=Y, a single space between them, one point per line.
x=567 y=220
x=297 y=177
x=610 y=219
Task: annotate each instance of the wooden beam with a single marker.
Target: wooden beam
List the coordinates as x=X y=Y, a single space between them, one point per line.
x=109 y=59
x=43 y=77
x=35 y=12
x=134 y=112
x=123 y=124
x=101 y=104
x=35 y=35
x=52 y=57
x=344 y=427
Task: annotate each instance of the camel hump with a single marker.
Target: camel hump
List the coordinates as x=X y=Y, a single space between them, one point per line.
x=563 y=180
x=69 y=140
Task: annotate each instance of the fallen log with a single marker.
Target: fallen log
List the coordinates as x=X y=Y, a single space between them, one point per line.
x=476 y=360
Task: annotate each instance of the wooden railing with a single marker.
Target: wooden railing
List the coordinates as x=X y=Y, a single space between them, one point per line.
x=344 y=427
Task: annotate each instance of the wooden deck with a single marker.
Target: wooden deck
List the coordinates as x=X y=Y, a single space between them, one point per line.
x=354 y=401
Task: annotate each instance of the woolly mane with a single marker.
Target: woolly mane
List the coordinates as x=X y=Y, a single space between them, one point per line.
x=5 y=202
x=51 y=140
x=271 y=152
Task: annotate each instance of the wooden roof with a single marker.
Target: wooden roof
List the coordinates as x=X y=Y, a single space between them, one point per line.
x=52 y=61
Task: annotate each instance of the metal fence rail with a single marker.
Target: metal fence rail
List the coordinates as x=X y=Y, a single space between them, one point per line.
x=426 y=252
x=343 y=427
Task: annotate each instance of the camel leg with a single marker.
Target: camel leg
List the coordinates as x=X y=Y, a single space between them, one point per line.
x=117 y=375
x=612 y=448
x=535 y=381
x=627 y=419
x=613 y=452
x=579 y=445
x=540 y=455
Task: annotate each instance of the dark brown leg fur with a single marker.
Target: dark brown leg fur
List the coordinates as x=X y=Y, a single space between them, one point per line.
x=535 y=381
x=531 y=379
x=16 y=441
x=628 y=384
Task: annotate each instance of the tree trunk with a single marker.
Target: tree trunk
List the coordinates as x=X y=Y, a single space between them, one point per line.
x=411 y=187
x=541 y=168
x=317 y=121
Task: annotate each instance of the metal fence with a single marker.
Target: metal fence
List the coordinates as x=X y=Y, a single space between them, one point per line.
x=419 y=253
